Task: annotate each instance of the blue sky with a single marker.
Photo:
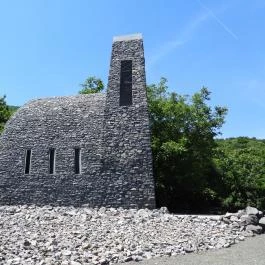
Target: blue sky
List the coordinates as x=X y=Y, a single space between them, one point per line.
x=48 y=47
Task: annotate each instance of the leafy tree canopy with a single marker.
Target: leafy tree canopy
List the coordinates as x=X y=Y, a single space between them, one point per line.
x=4 y=113
x=241 y=163
x=92 y=85
x=183 y=145
x=13 y=109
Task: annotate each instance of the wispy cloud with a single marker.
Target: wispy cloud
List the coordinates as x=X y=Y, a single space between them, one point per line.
x=184 y=36
x=218 y=20
x=164 y=50
x=187 y=33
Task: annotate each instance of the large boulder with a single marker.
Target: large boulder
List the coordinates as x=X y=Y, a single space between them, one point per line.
x=254 y=228
x=252 y=211
x=262 y=222
x=249 y=219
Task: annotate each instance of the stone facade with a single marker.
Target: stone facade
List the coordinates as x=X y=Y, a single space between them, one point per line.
x=116 y=159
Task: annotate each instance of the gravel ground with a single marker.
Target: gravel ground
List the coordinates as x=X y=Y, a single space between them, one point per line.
x=250 y=252
x=73 y=236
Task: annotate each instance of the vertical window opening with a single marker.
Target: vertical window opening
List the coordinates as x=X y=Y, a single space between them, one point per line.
x=77 y=160
x=52 y=161
x=28 y=161
x=126 y=83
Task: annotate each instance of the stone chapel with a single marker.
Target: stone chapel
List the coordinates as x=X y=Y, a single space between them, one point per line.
x=86 y=149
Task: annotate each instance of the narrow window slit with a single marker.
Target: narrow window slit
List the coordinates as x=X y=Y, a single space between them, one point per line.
x=52 y=161
x=77 y=160
x=126 y=83
x=28 y=161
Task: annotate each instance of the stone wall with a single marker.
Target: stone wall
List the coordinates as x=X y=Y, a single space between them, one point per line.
x=61 y=123
x=114 y=141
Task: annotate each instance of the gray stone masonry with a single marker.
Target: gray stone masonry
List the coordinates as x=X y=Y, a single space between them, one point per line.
x=116 y=159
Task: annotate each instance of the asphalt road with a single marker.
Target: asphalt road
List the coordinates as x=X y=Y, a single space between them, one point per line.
x=249 y=252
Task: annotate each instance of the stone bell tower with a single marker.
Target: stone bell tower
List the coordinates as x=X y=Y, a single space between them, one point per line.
x=127 y=162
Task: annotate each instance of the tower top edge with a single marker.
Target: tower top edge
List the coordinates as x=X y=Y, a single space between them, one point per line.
x=136 y=36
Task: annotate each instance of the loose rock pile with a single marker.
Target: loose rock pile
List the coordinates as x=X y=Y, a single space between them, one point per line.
x=251 y=220
x=74 y=236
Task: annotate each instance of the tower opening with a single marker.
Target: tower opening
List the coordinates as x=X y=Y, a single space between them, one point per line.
x=126 y=83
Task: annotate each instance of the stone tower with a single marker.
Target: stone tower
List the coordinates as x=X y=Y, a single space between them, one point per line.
x=127 y=161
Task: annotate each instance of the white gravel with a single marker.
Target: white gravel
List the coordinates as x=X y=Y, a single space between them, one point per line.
x=74 y=236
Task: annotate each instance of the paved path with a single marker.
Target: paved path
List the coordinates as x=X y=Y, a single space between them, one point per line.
x=249 y=252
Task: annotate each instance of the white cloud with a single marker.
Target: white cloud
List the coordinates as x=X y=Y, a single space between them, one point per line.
x=218 y=20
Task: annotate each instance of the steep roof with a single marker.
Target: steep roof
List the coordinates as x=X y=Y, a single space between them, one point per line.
x=57 y=117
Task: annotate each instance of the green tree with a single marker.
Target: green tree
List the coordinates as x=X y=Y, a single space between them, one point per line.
x=241 y=163
x=91 y=85
x=13 y=109
x=4 y=113
x=183 y=145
